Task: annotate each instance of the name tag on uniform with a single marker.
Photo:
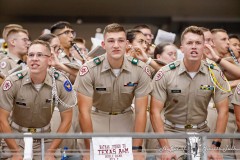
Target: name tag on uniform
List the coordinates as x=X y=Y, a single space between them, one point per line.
x=101 y=89
x=21 y=103
x=176 y=91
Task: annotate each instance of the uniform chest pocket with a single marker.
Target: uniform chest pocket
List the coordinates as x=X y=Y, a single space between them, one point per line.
x=48 y=103
x=204 y=93
x=127 y=90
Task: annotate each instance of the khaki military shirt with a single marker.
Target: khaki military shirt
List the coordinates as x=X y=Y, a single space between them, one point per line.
x=112 y=93
x=32 y=108
x=9 y=62
x=236 y=96
x=186 y=99
x=3 y=53
x=69 y=61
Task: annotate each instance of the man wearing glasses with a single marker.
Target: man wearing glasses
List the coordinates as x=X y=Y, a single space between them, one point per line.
x=30 y=96
x=66 y=35
x=18 y=43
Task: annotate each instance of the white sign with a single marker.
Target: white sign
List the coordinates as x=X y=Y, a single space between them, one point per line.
x=111 y=148
x=164 y=36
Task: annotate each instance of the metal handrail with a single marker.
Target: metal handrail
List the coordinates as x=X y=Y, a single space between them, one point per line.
x=42 y=136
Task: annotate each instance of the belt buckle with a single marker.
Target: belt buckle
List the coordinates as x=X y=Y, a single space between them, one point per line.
x=188 y=126
x=113 y=113
x=32 y=130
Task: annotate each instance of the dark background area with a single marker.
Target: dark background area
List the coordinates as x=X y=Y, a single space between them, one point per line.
x=87 y=15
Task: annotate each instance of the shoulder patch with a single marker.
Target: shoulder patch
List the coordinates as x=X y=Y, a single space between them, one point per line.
x=223 y=76
x=159 y=75
x=135 y=61
x=68 y=86
x=147 y=70
x=56 y=75
x=97 y=61
x=3 y=65
x=172 y=66
x=20 y=75
x=7 y=85
x=83 y=70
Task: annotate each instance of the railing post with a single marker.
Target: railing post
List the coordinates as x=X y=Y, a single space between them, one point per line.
x=42 y=148
x=204 y=147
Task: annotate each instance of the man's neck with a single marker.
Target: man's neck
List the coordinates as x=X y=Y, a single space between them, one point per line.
x=192 y=66
x=67 y=52
x=115 y=64
x=13 y=52
x=38 y=78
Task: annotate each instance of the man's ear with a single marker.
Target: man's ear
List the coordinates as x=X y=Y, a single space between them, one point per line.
x=103 y=44
x=181 y=49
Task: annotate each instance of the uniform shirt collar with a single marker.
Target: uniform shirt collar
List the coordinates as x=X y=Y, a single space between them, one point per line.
x=125 y=65
x=47 y=81
x=183 y=69
x=13 y=57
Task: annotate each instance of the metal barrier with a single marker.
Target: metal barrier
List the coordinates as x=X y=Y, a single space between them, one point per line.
x=42 y=136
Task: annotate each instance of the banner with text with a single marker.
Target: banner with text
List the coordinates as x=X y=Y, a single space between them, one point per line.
x=112 y=148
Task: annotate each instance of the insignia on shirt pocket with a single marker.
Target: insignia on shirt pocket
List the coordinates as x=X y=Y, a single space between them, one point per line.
x=101 y=89
x=131 y=84
x=68 y=86
x=207 y=87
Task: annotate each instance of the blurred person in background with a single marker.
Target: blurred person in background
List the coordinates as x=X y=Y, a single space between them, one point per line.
x=146 y=30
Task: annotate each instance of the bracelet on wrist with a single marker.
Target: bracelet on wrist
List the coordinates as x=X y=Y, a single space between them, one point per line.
x=138 y=148
x=149 y=61
x=218 y=60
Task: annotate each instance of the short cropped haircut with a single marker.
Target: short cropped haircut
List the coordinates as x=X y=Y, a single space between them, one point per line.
x=10 y=26
x=60 y=25
x=215 y=30
x=114 y=27
x=132 y=33
x=17 y=30
x=204 y=29
x=141 y=26
x=44 y=43
x=192 y=29
x=79 y=40
x=232 y=36
x=47 y=37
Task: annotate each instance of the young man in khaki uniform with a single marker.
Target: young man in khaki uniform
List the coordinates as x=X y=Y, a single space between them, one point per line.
x=31 y=96
x=184 y=88
x=107 y=85
x=18 y=43
x=65 y=33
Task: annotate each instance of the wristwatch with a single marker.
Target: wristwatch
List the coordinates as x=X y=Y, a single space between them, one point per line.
x=138 y=148
x=217 y=144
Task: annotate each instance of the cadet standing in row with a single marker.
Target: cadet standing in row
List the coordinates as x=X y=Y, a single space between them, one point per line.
x=31 y=96
x=184 y=88
x=107 y=85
